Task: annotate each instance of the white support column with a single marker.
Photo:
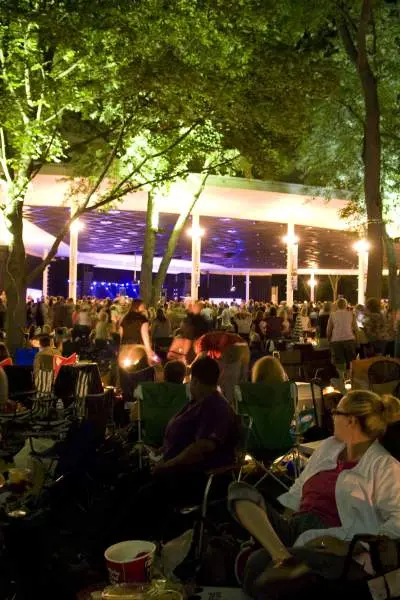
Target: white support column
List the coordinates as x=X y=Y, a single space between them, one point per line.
x=292 y=252
x=196 y=257
x=362 y=248
x=312 y=283
x=73 y=258
x=45 y=284
x=247 y=288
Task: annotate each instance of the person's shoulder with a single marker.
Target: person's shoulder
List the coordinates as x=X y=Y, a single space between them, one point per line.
x=217 y=402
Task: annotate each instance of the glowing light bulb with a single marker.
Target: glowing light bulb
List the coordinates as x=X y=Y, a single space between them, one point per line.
x=362 y=246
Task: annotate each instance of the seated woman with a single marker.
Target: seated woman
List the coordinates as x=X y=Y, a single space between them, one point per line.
x=350 y=486
x=268 y=369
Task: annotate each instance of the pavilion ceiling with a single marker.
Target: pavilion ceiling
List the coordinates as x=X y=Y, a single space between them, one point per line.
x=231 y=243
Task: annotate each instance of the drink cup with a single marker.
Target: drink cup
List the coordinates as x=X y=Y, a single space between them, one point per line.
x=130 y=561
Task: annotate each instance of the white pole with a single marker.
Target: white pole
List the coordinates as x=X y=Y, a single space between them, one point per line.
x=312 y=287
x=292 y=248
x=362 y=274
x=247 y=287
x=73 y=260
x=45 y=284
x=196 y=257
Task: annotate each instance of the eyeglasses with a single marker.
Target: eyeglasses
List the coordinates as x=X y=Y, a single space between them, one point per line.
x=335 y=413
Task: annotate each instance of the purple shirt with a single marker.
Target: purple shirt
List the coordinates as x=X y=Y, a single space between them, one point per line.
x=212 y=419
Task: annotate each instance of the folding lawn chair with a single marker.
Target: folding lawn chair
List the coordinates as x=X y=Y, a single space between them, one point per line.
x=159 y=402
x=272 y=410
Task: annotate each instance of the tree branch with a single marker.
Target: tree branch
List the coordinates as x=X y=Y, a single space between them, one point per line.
x=52 y=252
x=67 y=71
x=3 y=157
x=43 y=158
x=365 y=18
x=173 y=145
x=25 y=118
x=106 y=166
x=353 y=112
x=346 y=37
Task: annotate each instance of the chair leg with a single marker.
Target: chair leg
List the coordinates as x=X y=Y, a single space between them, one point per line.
x=199 y=551
x=270 y=474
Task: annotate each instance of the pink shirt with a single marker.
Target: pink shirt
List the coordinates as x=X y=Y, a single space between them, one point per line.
x=319 y=494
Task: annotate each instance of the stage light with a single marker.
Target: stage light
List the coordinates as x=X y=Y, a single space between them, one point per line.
x=76 y=226
x=362 y=246
x=195 y=232
x=290 y=240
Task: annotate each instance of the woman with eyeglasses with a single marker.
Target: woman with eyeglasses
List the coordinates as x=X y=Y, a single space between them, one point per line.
x=350 y=486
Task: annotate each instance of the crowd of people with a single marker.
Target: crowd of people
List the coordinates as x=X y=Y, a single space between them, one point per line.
x=351 y=484
x=374 y=324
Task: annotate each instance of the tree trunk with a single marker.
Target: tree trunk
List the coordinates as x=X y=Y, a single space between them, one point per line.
x=146 y=274
x=394 y=277
x=166 y=259
x=372 y=159
x=15 y=277
x=172 y=242
x=356 y=48
x=334 y=281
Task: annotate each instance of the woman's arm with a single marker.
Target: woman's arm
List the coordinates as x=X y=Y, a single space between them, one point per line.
x=145 y=333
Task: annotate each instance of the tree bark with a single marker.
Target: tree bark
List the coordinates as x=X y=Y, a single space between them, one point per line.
x=146 y=274
x=15 y=277
x=172 y=242
x=334 y=281
x=394 y=277
x=357 y=52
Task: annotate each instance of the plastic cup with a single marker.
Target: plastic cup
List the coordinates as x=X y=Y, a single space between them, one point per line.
x=130 y=561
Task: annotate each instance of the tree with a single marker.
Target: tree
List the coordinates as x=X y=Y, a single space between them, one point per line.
x=352 y=140
x=334 y=281
x=71 y=92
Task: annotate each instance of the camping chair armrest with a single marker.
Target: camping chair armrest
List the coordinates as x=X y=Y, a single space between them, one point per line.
x=373 y=542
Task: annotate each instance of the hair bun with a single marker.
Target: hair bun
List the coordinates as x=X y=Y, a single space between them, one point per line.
x=390 y=408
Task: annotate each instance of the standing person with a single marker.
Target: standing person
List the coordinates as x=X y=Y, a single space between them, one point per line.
x=69 y=309
x=50 y=313
x=134 y=328
x=59 y=313
x=226 y=324
x=375 y=326
x=2 y=314
x=322 y=324
x=274 y=324
x=102 y=329
x=207 y=314
x=39 y=313
x=161 y=326
x=283 y=314
x=243 y=321
x=341 y=332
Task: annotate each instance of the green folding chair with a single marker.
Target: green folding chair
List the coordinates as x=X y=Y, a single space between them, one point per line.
x=161 y=401
x=271 y=410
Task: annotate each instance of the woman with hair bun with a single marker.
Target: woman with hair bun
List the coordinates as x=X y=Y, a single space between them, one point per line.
x=350 y=486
